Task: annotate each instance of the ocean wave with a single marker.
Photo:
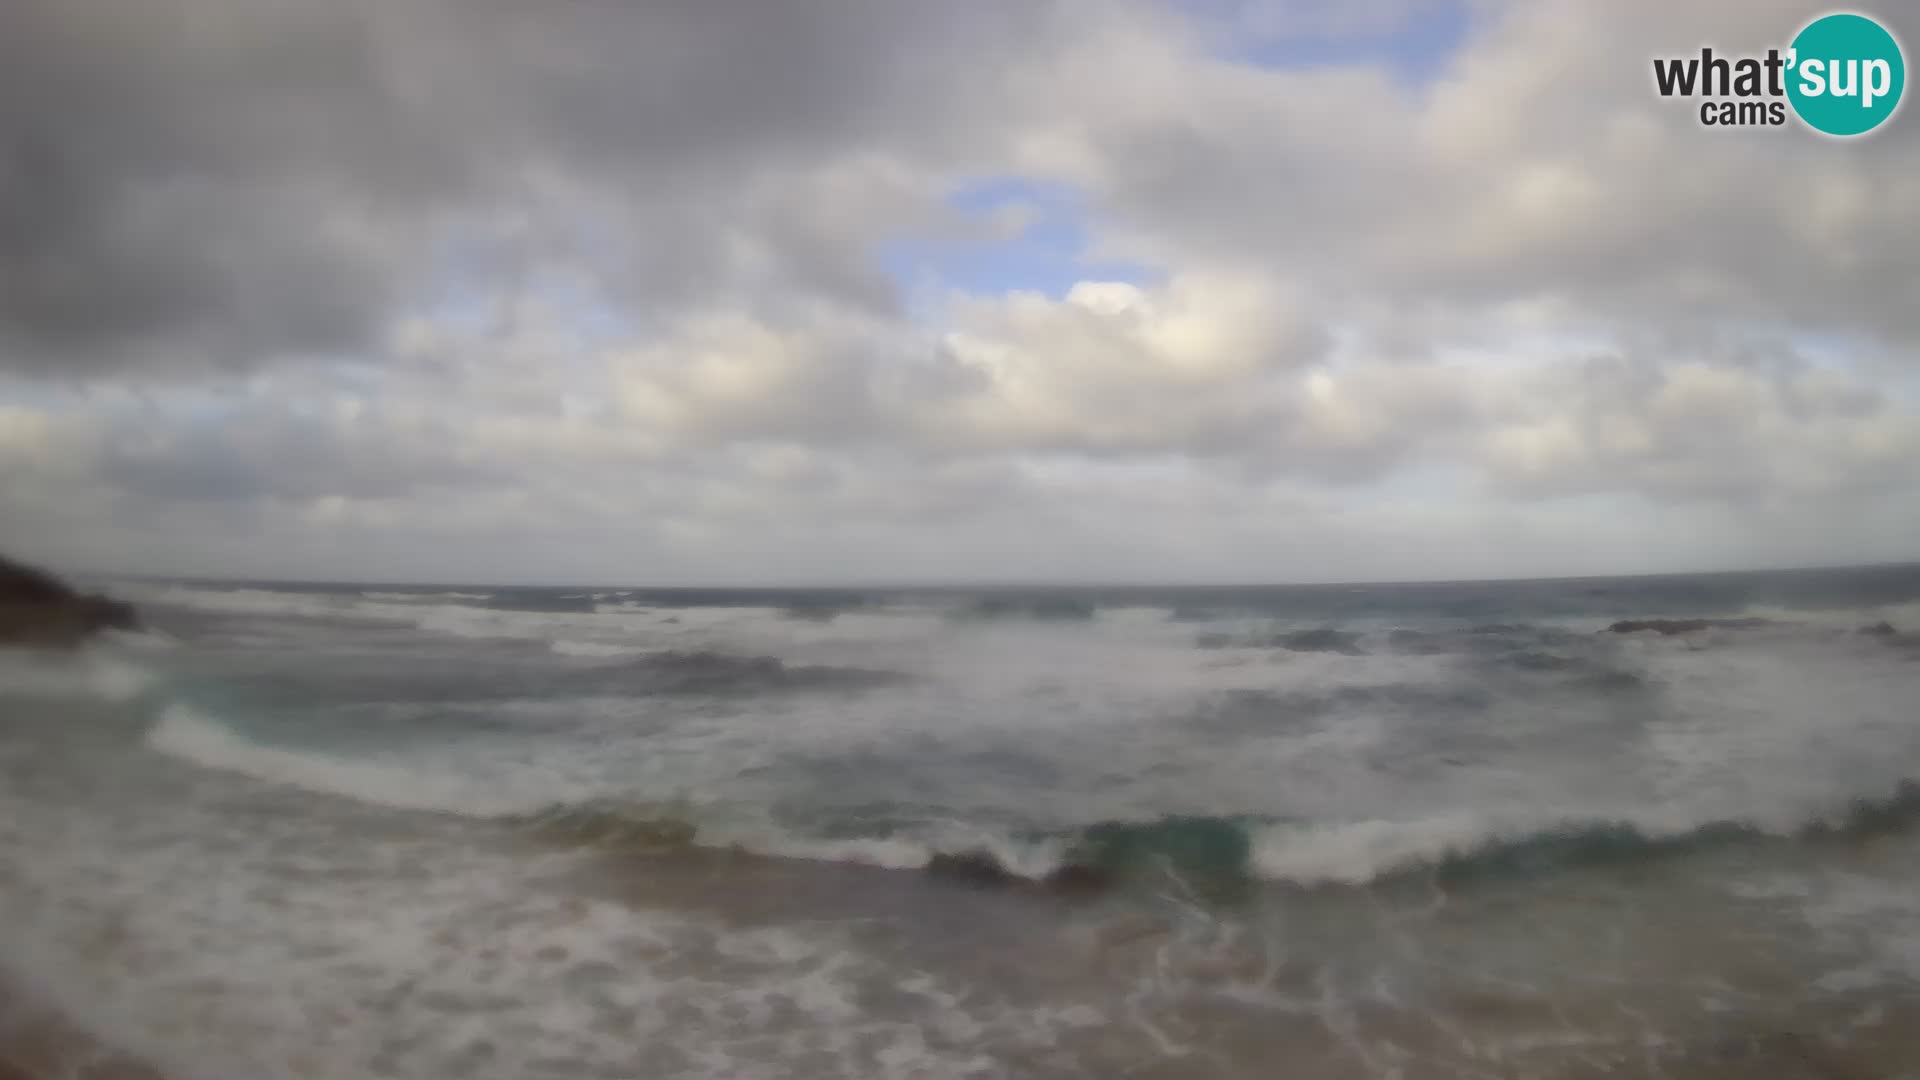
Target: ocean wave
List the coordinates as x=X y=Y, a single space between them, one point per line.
x=608 y=824
x=454 y=620
x=593 y=649
x=1212 y=855
x=1901 y=614
x=146 y=639
x=499 y=622
x=1224 y=851
x=1671 y=627
x=541 y=602
x=1324 y=639
x=245 y=601
x=1468 y=844
x=185 y=733
x=424 y=597
x=624 y=826
x=470 y=615
x=1207 y=855
x=1489 y=638
x=78 y=676
x=1037 y=606
x=705 y=671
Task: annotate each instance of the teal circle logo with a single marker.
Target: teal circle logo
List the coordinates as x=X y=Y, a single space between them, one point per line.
x=1846 y=74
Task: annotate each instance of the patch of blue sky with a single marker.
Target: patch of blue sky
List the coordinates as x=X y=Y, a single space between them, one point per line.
x=1888 y=367
x=1416 y=43
x=479 y=284
x=1839 y=349
x=48 y=395
x=1046 y=247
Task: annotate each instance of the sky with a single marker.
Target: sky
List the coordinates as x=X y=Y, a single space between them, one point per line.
x=851 y=291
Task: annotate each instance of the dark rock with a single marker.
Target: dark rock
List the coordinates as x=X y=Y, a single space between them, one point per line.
x=1669 y=627
x=1880 y=629
x=39 y=610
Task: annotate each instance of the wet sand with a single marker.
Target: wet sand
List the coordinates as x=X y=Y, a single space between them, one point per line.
x=36 y=1043
x=1184 y=993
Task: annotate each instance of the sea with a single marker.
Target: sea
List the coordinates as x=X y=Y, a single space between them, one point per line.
x=1370 y=831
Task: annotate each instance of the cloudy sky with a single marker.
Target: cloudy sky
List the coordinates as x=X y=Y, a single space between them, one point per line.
x=671 y=291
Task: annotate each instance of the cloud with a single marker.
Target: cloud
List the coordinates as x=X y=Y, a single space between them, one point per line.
x=422 y=285
x=194 y=178
x=1540 y=165
x=726 y=376
x=199 y=182
x=1116 y=367
x=1698 y=430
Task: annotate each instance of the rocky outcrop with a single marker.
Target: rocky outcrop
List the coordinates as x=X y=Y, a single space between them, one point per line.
x=38 y=610
x=1880 y=629
x=1669 y=627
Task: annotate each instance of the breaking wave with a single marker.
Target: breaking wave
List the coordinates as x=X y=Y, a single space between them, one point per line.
x=593 y=649
x=703 y=671
x=183 y=732
x=1208 y=855
x=1324 y=639
x=84 y=675
x=424 y=597
x=1212 y=856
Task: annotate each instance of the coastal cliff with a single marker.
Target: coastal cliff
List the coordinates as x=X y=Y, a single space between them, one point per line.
x=38 y=610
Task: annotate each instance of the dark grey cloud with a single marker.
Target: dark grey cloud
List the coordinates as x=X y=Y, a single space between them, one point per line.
x=197 y=179
x=223 y=181
x=283 y=456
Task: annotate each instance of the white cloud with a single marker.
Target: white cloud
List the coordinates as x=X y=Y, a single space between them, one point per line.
x=1693 y=430
x=1120 y=367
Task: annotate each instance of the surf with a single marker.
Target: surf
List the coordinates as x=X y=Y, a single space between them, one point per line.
x=1217 y=854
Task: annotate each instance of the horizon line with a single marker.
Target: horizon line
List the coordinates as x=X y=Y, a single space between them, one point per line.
x=909 y=585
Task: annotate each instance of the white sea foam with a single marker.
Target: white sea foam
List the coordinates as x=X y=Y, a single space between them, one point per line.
x=423 y=597
x=914 y=850
x=118 y=680
x=147 y=640
x=269 y=951
x=185 y=733
x=238 y=601
x=594 y=649
x=85 y=674
x=636 y=629
x=438 y=613
x=1355 y=853
x=1903 y=616
x=1358 y=852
